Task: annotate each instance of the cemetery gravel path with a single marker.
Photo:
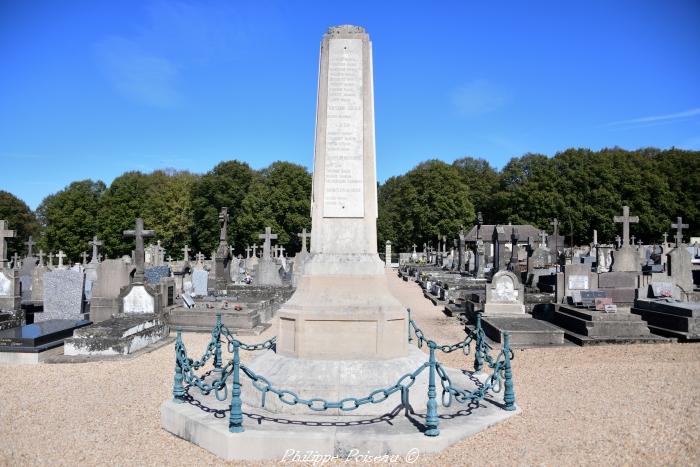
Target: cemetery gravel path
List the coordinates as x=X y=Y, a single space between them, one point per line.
x=608 y=405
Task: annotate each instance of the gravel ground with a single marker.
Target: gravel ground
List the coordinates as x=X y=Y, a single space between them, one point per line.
x=609 y=405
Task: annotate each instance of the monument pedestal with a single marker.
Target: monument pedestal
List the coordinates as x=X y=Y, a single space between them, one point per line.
x=342 y=309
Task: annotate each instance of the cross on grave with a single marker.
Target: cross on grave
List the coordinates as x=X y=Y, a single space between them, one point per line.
x=41 y=257
x=60 y=257
x=5 y=233
x=50 y=263
x=626 y=220
x=543 y=238
x=140 y=255
x=170 y=259
x=186 y=253
x=267 y=236
x=248 y=249
x=281 y=251
x=304 y=235
x=555 y=233
x=618 y=240
x=230 y=251
x=679 y=226
x=223 y=224
x=15 y=261
x=255 y=250
x=639 y=243
x=30 y=243
x=84 y=255
x=94 y=243
x=200 y=257
x=414 y=248
x=665 y=238
x=632 y=239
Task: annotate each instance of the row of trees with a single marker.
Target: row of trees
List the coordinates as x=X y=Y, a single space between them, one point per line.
x=584 y=189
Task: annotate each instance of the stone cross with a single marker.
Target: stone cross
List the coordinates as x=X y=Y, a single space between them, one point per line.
x=626 y=220
x=632 y=239
x=281 y=251
x=267 y=236
x=618 y=240
x=665 y=238
x=30 y=244
x=543 y=238
x=60 y=257
x=170 y=259
x=50 y=263
x=200 y=257
x=15 y=261
x=95 y=253
x=679 y=226
x=84 y=255
x=41 y=257
x=248 y=249
x=639 y=243
x=414 y=248
x=255 y=250
x=4 y=235
x=186 y=252
x=140 y=255
x=230 y=251
x=223 y=225
x=304 y=236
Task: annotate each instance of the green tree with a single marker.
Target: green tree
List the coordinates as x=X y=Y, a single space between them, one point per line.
x=225 y=185
x=279 y=198
x=430 y=200
x=69 y=218
x=19 y=218
x=168 y=208
x=482 y=181
x=124 y=201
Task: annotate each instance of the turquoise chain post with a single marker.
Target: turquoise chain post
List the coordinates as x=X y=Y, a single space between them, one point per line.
x=431 y=420
x=178 y=388
x=216 y=335
x=235 y=422
x=410 y=339
x=478 y=353
x=509 y=394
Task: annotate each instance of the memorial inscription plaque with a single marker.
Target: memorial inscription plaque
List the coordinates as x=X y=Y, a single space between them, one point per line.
x=343 y=184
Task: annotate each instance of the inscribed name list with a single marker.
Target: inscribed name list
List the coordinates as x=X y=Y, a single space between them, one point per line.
x=344 y=164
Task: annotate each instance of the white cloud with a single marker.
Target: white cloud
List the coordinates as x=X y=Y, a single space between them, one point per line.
x=659 y=118
x=479 y=97
x=137 y=74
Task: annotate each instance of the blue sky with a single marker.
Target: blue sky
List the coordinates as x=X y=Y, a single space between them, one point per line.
x=90 y=89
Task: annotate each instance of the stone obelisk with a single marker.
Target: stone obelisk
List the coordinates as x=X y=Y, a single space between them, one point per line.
x=342 y=308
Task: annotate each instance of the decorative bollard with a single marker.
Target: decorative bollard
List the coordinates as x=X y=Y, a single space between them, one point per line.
x=178 y=388
x=431 y=420
x=216 y=336
x=479 y=350
x=235 y=423
x=509 y=394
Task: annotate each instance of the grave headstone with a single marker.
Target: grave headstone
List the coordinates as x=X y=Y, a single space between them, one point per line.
x=504 y=295
x=63 y=295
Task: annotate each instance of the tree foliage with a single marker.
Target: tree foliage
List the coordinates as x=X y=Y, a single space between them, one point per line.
x=226 y=185
x=430 y=200
x=280 y=198
x=584 y=189
x=69 y=218
x=19 y=218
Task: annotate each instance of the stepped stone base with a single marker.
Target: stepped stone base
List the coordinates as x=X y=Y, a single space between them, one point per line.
x=246 y=322
x=670 y=318
x=121 y=335
x=589 y=327
x=525 y=331
x=274 y=436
